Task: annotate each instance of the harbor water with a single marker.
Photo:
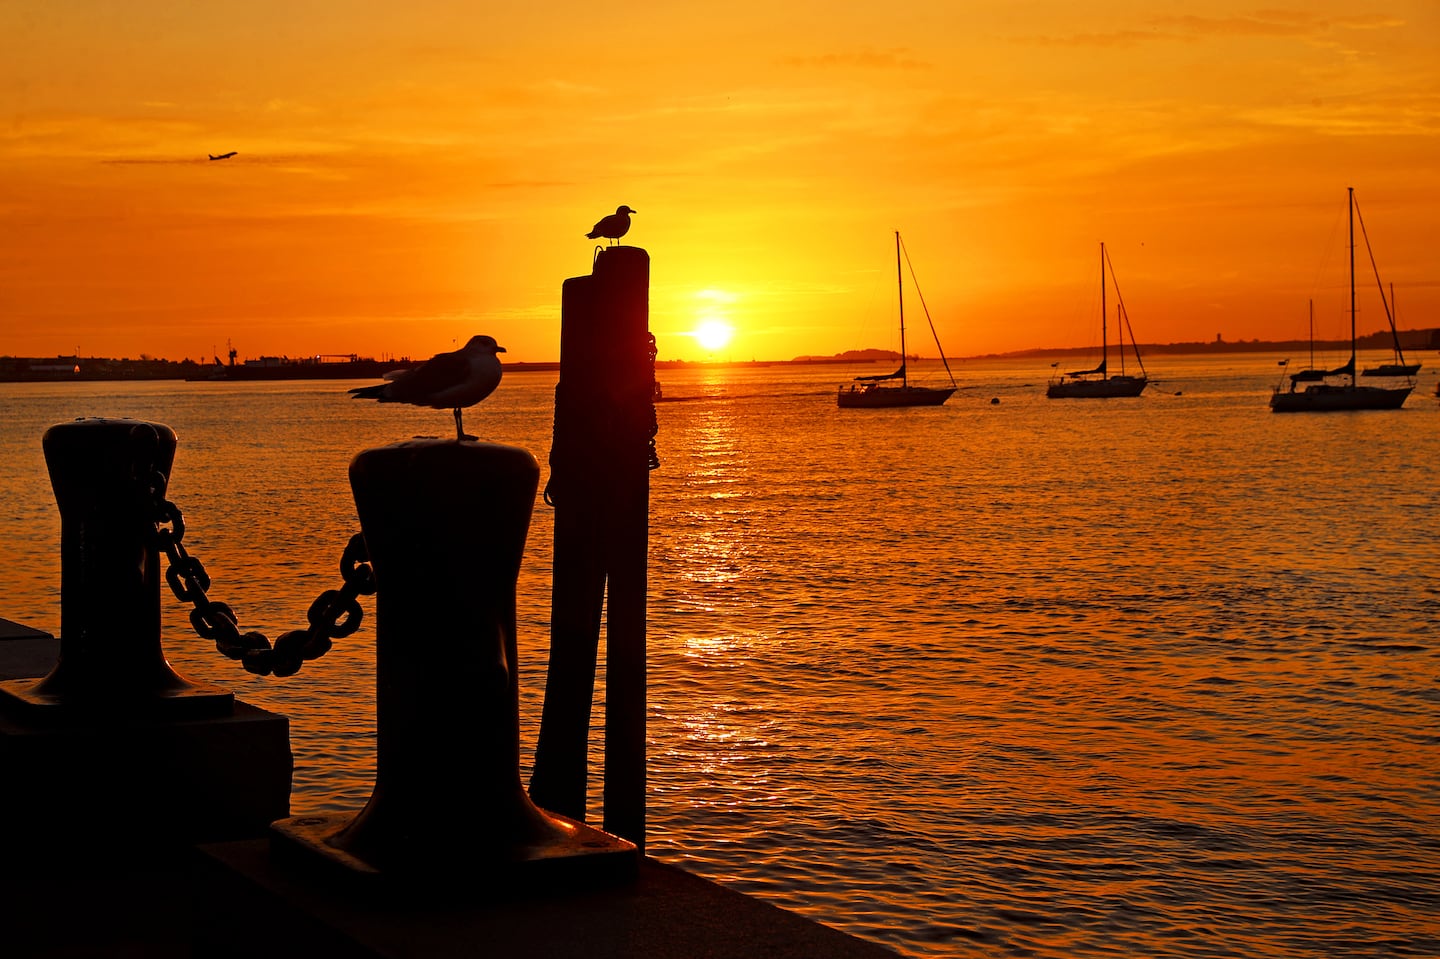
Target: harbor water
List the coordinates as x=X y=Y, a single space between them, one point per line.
x=1011 y=677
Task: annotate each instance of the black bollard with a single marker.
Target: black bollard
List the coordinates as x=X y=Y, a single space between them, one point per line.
x=600 y=488
x=445 y=523
x=110 y=576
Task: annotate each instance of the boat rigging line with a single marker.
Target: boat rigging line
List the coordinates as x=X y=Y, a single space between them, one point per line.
x=916 y=283
x=1124 y=315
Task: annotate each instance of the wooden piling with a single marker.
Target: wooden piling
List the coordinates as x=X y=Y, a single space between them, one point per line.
x=600 y=489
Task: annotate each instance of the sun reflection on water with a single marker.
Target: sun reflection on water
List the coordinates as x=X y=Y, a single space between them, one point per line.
x=1153 y=678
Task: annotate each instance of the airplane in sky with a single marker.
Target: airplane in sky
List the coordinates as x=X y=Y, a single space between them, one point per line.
x=224 y=156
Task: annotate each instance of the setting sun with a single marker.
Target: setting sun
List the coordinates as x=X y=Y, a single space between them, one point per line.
x=713 y=334
x=851 y=436
x=392 y=182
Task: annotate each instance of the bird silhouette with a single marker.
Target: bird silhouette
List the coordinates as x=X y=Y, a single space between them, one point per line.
x=445 y=381
x=223 y=156
x=614 y=226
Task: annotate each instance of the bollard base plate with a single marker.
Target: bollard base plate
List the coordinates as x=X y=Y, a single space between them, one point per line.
x=575 y=855
x=112 y=783
x=32 y=699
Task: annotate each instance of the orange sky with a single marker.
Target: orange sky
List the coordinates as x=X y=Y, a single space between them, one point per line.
x=412 y=173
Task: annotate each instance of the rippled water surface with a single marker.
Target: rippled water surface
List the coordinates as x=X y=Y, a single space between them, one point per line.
x=1150 y=677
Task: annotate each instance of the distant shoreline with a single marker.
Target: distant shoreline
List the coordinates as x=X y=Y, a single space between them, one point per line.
x=1414 y=340
x=1411 y=340
x=57 y=369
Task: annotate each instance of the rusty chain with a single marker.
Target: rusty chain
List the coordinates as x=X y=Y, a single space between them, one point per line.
x=653 y=457
x=335 y=614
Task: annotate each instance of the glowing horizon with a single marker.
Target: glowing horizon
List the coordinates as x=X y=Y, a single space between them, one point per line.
x=404 y=179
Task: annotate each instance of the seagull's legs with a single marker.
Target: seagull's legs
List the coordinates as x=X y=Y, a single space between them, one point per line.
x=460 y=433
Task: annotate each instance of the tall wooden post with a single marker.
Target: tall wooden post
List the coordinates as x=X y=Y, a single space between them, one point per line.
x=600 y=488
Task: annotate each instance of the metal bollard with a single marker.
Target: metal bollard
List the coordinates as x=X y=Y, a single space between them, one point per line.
x=110 y=577
x=445 y=524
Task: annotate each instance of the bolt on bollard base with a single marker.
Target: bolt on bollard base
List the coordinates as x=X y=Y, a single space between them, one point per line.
x=445 y=523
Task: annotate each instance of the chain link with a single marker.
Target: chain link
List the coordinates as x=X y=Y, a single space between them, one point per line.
x=335 y=614
x=654 y=456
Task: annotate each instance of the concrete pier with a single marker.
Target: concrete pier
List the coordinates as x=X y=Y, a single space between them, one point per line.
x=250 y=905
x=122 y=784
x=155 y=899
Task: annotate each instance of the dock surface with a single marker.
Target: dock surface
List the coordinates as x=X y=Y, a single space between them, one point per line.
x=252 y=904
x=62 y=898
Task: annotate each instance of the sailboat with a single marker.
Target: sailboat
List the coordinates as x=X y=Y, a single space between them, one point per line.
x=877 y=392
x=1099 y=382
x=1398 y=366
x=1339 y=389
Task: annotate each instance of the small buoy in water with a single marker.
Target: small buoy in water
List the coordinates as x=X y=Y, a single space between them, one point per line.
x=994 y=401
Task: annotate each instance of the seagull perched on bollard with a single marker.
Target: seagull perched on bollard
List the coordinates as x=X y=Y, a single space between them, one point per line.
x=614 y=226
x=445 y=381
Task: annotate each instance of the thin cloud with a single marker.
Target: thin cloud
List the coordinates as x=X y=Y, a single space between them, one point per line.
x=269 y=159
x=153 y=161
x=1377 y=21
x=1297 y=24
x=530 y=184
x=1275 y=23
x=1119 y=38
x=893 y=59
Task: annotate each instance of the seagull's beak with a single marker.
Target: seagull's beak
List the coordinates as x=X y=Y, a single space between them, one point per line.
x=499 y=349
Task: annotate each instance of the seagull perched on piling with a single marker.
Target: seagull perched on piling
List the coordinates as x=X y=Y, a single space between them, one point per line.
x=614 y=226
x=445 y=381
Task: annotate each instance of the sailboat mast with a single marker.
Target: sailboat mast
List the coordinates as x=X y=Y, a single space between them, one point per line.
x=1350 y=193
x=1104 y=320
x=900 y=290
x=1120 y=334
x=1393 y=313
